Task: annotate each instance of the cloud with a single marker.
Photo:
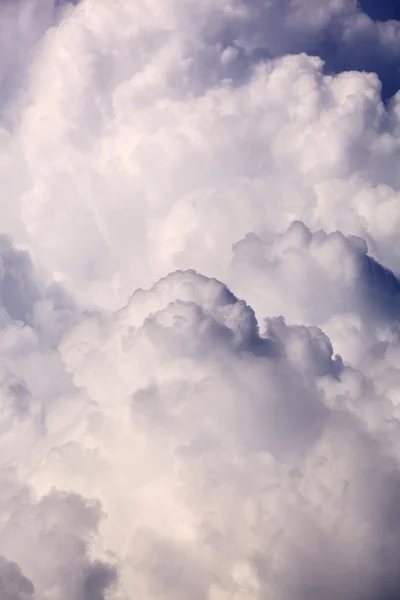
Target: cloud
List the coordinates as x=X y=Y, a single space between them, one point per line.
x=147 y=108
x=341 y=276
x=267 y=479
x=199 y=292
x=50 y=538
x=13 y=585
x=26 y=298
x=168 y=165
x=22 y=25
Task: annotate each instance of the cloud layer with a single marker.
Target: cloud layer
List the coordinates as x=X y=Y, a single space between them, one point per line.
x=199 y=300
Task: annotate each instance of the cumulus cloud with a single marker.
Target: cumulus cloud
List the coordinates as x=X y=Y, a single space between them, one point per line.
x=199 y=300
x=50 y=538
x=341 y=276
x=270 y=483
x=147 y=108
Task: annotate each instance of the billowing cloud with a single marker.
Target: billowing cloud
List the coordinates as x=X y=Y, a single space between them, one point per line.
x=229 y=462
x=147 y=108
x=50 y=539
x=199 y=300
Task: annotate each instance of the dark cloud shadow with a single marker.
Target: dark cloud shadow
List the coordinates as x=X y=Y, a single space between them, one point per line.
x=99 y=578
x=13 y=584
x=380 y=289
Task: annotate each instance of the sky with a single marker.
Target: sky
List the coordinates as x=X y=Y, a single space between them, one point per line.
x=383 y=11
x=199 y=300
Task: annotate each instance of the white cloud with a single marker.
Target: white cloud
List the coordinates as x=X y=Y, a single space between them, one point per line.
x=228 y=464
x=140 y=112
x=176 y=441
